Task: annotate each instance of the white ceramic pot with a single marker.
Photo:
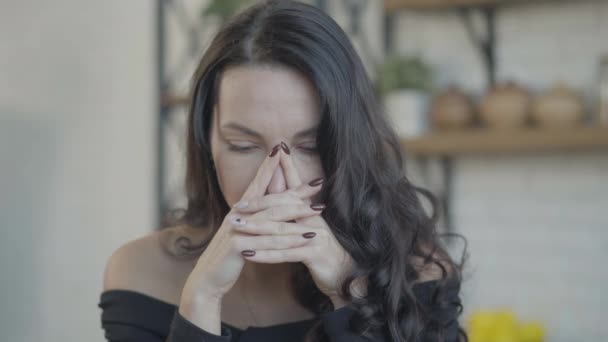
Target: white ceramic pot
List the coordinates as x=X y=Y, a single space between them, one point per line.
x=407 y=110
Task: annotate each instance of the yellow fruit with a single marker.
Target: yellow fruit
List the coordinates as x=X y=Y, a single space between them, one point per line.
x=505 y=337
x=531 y=331
x=502 y=326
x=481 y=320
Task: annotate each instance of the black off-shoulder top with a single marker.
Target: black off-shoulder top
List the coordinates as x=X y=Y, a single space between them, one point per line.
x=130 y=316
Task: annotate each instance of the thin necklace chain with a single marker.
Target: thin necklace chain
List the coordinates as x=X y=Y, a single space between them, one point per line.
x=244 y=292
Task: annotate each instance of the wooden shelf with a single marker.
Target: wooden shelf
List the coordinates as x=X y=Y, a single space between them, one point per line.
x=396 y=5
x=174 y=100
x=492 y=141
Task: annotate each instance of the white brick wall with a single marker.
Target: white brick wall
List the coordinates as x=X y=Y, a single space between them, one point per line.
x=540 y=45
x=538 y=238
x=537 y=224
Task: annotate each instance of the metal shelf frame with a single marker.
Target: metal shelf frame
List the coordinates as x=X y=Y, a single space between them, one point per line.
x=485 y=43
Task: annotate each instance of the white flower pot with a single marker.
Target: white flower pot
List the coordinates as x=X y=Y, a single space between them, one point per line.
x=407 y=110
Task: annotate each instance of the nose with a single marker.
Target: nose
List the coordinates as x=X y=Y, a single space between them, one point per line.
x=277 y=182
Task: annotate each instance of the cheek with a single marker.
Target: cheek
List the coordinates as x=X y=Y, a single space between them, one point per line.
x=309 y=167
x=234 y=175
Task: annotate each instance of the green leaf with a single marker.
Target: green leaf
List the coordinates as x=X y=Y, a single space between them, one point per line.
x=403 y=72
x=223 y=9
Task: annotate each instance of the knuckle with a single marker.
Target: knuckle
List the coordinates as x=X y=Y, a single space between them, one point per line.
x=273 y=212
x=275 y=240
x=281 y=228
x=293 y=194
x=274 y=197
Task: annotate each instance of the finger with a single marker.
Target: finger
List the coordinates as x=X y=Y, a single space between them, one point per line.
x=266 y=242
x=260 y=182
x=274 y=228
x=272 y=256
x=291 y=173
x=288 y=212
x=294 y=196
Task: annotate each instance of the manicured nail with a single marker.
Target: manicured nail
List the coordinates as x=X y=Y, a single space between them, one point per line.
x=238 y=221
x=316 y=181
x=248 y=253
x=275 y=150
x=317 y=207
x=284 y=147
x=309 y=235
x=241 y=204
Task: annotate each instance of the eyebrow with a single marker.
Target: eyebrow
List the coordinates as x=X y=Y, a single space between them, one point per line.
x=312 y=131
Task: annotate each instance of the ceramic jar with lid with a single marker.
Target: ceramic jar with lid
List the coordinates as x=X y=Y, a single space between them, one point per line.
x=559 y=107
x=505 y=105
x=451 y=109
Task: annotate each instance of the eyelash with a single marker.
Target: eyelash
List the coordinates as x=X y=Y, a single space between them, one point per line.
x=245 y=149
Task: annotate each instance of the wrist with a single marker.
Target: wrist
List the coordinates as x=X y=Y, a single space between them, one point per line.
x=192 y=301
x=197 y=292
x=202 y=311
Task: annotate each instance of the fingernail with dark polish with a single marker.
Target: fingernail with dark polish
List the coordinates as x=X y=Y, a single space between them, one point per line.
x=284 y=147
x=248 y=253
x=275 y=150
x=317 y=207
x=309 y=235
x=316 y=181
x=238 y=221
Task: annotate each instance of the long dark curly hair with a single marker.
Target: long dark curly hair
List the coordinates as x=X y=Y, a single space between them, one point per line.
x=371 y=206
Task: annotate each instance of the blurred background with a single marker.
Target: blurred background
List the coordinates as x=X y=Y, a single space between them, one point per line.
x=502 y=107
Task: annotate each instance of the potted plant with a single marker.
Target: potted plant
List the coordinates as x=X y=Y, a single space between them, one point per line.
x=223 y=9
x=404 y=82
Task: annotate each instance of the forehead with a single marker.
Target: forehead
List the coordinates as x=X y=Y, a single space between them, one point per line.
x=267 y=97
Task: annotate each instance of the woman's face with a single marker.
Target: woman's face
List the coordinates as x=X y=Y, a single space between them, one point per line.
x=258 y=107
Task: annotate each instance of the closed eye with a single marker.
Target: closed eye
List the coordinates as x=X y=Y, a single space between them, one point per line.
x=244 y=149
x=240 y=148
x=309 y=150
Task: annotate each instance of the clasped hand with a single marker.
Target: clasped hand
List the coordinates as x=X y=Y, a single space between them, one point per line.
x=288 y=227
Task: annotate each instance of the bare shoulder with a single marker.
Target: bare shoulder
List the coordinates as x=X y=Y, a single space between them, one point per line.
x=143 y=265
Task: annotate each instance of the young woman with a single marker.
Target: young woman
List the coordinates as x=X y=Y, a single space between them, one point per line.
x=300 y=223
